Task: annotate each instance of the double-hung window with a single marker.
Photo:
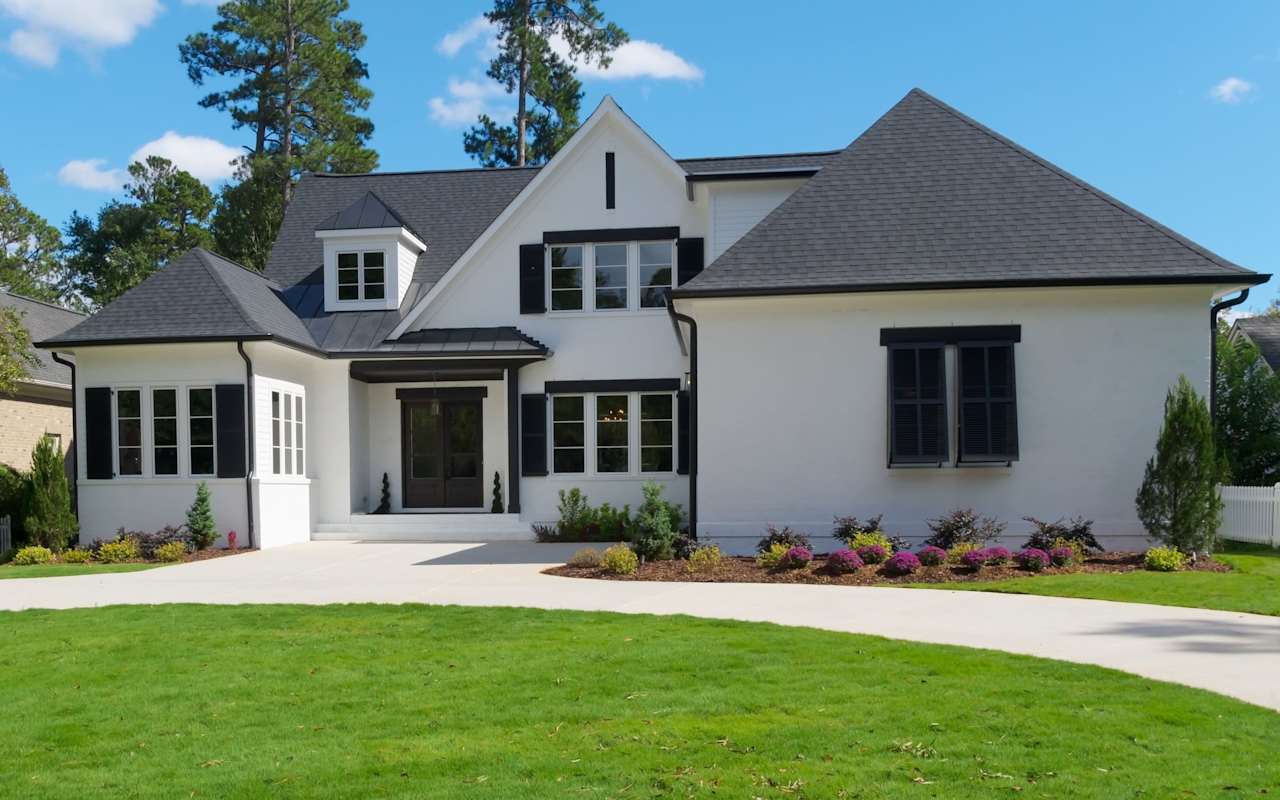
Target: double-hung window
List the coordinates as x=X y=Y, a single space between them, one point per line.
x=287 y=435
x=566 y=278
x=655 y=273
x=657 y=432
x=568 y=433
x=612 y=434
x=128 y=431
x=164 y=431
x=362 y=275
x=611 y=277
x=200 y=425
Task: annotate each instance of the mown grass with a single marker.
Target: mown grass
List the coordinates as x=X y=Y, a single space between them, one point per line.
x=59 y=570
x=447 y=702
x=1252 y=586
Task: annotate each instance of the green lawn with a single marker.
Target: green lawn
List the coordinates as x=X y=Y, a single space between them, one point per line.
x=447 y=702
x=1254 y=585
x=58 y=570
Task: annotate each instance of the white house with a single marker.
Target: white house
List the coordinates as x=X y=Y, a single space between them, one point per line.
x=931 y=317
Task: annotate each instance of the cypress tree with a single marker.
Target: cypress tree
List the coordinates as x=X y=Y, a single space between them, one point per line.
x=50 y=521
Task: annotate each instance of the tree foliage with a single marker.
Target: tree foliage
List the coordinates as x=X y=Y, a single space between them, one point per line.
x=200 y=522
x=29 y=250
x=1178 y=502
x=249 y=213
x=548 y=96
x=16 y=358
x=50 y=521
x=1247 y=414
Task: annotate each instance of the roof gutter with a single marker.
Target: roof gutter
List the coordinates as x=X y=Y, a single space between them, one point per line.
x=676 y=318
x=250 y=453
x=75 y=436
x=1213 y=348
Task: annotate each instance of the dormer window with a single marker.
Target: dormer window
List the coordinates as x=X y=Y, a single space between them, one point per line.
x=362 y=275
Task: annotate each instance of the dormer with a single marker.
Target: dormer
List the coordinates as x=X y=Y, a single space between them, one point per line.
x=369 y=256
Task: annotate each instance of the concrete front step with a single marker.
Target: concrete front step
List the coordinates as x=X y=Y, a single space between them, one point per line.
x=466 y=527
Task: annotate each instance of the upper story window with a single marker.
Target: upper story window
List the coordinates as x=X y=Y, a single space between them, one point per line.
x=362 y=275
x=610 y=277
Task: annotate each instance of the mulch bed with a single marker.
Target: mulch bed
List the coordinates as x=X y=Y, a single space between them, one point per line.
x=738 y=569
x=216 y=552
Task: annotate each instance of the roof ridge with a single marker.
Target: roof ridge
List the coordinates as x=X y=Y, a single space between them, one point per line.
x=1079 y=182
x=201 y=254
x=762 y=155
x=45 y=303
x=254 y=272
x=418 y=172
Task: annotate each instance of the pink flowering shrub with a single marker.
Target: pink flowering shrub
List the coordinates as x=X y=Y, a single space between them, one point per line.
x=998 y=555
x=974 y=559
x=1062 y=556
x=903 y=563
x=1033 y=559
x=796 y=558
x=873 y=554
x=843 y=561
x=932 y=556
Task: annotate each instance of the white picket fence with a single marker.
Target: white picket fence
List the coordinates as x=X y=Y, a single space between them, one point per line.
x=6 y=535
x=1251 y=514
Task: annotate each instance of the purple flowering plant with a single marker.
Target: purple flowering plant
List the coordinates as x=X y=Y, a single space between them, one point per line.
x=931 y=556
x=903 y=563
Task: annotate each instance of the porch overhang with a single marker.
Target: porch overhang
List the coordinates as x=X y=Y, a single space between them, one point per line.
x=440 y=369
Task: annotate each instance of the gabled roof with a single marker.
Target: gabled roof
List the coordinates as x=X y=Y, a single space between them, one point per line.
x=367 y=212
x=43 y=320
x=200 y=296
x=929 y=198
x=1264 y=332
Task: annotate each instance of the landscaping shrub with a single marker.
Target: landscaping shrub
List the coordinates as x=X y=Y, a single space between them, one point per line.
x=998 y=555
x=615 y=524
x=785 y=536
x=119 y=551
x=544 y=533
x=13 y=499
x=1033 y=559
x=1178 y=502
x=587 y=557
x=200 y=519
x=34 y=554
x=843 y=561
x=872 y=553
x=576 y=517
x=974 y=559
x=684 y=545
x=771 y=558
x=496 y=506
x=796 y=557
x=867 y=539
x=963 y=526
x=170 y=552
x=903 y=563
x=1063 y=556
x=705 y=559
x=1076 y=532
x=148 y=543
x=49 y=520
x=931 y=556
x=656 y=525
x=75 y=556
x=956 y=554
x=619 y=560
x=1164 y=559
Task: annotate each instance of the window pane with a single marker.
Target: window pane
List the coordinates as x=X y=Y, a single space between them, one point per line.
x=655 y=253
x=611 y=299
x=374 y=291
x=275 y=433
x=128 y=403
x=373 y=275
x=566 y=300
x=569 y=461
x=202 y=431
x=655 y=459
x=349 y=292
x=297 y=465
x=288 y=461
x=611 y=459
x=130 y=460
x=611 y=255
x=166 y=432
x=348 y=277
x=130 y=432
x=655 y=406
x=275 y=460
x=164 y=403
x=655 y=433
x=166 y=460
x=611 y=407
x=297 y=408
x=201 y=402
x=288 y=433
x=348 y=260
x=202 y=461
x=568 y=434
x=566 y=257
x=566 y=279
x=611 y=433
x=568 y=408
x=373 y=259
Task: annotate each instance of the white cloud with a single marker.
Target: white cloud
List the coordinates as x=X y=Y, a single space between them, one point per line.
x=49 y=25
x=636 y=59
x=471 y=30
x=1231 y=90
x=90 y=173
x=207 y=159
x=467 y=100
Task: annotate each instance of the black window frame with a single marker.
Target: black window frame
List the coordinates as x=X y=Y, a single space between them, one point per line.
x=895 y=459
x=990 y=456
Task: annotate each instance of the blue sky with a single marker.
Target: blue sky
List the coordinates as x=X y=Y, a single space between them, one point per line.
x=1173 y=107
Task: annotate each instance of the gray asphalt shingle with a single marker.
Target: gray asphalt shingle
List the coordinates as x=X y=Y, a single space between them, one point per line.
x=42 y=321
x=1265 y=333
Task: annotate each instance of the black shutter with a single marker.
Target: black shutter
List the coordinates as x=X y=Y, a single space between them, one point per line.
x=533 y=434
x=688 y=259
x=97 y=432
x=988 y=404
x=917 y=404
x=682 y=433
x=229 y=405
x=533 y=279
x=609 y=183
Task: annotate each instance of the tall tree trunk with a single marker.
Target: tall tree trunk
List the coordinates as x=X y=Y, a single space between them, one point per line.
x=260 y=135
x=521 y=112
x=286 y=123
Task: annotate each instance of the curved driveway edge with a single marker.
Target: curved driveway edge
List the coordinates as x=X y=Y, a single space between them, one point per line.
x=1230 y=653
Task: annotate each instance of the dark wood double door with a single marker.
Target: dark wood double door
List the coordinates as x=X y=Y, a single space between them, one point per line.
x=442 y=443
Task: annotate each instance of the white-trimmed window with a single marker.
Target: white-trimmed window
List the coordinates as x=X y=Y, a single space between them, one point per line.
x=164 y=431
x=287 y=435
x=566 y=278
x=128 y=431
x=623 y=276
x=610 y=277
x=200 y=427
x=616 y=445
x=568 y=434
x=362 y=275
x=655 y=261
x=612 y=433
x=657 y=432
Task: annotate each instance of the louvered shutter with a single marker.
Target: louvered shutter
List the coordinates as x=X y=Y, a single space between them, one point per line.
x=97 y=432
x=988 y=404
x=917 y=404
x=230 y=436
x=533 y=279
x=533 y=434
x=689 y=258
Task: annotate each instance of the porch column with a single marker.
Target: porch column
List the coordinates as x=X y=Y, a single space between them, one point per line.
x=513 y=440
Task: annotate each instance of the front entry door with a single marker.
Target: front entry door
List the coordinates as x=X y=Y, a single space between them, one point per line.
x=441 y=442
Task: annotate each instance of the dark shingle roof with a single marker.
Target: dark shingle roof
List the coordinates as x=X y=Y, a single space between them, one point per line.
x=927 y=197
x=367 y=212
x=781 y=161
x=42 y=321
x=1265 y=333
x=199 y=296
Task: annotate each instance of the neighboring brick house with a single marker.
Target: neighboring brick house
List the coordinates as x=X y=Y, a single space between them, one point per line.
x=42 y=403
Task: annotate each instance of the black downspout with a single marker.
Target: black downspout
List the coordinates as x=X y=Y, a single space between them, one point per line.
x=75 y=436
x=1213 y=348
x=251 y=452
x=693 y=413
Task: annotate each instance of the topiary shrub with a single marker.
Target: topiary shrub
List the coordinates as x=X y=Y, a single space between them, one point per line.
x=903 y=563
x=1076 y=532
x=49 y=520
x=961 y=526
x=75 y=556
x=34 y=554
x=384 y=502
x=705 y=560
x=200 y=519
x=1033 y=559
x=931 y=556
x=785 y=536
x=619 y=560
x=771 y=558
x=1063 y=556
x=873 y=553
x=119 y=551
x=587 y=557
x=170 y=552
x=796 y=557
x=1164 y=559
x=843 y=561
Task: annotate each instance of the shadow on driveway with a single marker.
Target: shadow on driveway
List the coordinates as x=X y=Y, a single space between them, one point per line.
x=1201 y=636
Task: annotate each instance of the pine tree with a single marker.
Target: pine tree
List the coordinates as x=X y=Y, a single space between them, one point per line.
x=200 y=519
x=50 y=521
x=1178 y=502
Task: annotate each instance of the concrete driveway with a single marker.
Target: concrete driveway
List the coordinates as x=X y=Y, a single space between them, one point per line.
x=1233 y=654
